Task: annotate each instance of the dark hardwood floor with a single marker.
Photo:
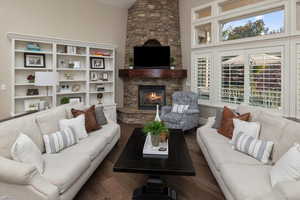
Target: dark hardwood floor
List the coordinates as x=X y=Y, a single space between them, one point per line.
x=104 y=184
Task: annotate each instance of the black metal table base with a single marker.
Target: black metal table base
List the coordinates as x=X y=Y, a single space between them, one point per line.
x=155 y=188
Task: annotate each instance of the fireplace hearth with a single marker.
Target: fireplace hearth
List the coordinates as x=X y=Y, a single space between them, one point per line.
x=150 y=96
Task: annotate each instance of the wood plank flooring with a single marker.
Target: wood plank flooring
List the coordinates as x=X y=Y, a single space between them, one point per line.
x=104 y=184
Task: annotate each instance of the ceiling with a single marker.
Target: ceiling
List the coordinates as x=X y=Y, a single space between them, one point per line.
x=119 y=3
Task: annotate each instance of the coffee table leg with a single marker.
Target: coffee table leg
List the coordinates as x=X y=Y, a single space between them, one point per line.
x=155 y=188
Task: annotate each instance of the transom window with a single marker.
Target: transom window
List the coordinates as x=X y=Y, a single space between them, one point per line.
x=266 y=23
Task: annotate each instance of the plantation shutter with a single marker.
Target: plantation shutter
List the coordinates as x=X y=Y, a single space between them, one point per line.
x=265 y=80
x=232 y=85
x=203 y=76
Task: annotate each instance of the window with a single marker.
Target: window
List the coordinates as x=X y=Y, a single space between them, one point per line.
x=265 y=80
x=266 y=23
x=203 y=77
x=203 y=33
x=232 y=87
x=233 y=4
x=202 y=13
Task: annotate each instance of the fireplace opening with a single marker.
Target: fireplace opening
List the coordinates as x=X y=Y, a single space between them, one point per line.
x=150 y=96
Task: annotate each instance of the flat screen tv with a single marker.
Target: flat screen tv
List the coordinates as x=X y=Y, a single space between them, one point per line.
x=152 y=57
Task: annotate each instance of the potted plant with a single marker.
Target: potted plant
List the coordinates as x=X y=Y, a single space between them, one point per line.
x=173 y=62
x=65 y=100
x=31 y=78
x=154 y=129
x=130 y=62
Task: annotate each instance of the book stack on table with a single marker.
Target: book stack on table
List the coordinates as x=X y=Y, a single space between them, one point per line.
x=149 y=151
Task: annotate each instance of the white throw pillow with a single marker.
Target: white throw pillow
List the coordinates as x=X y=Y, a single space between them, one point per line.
x=179 y=108
x=76 y=124
x=258 y=149
x=60 y=140
x=287 y=168
x=25 y=151
x=249 y=128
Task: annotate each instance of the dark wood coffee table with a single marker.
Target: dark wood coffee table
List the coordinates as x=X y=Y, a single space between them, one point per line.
x=178 y=163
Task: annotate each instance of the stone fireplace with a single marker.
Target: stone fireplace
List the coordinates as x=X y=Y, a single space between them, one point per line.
x=151 y=20
x=150 y=96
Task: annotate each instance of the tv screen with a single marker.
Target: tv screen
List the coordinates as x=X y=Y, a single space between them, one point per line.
x=151 y=57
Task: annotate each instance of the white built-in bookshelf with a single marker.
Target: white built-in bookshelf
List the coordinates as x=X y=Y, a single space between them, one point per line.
x=72 y=61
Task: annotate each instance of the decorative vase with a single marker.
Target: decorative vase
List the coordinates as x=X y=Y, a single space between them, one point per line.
x=155 y=140
x=157 y=118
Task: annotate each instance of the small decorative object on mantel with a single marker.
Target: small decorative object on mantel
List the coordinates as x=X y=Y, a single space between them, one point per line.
x=34 y=60
x=156 y=143
x=173 y=63
x=30 y=78
x=97 y=63
x=130 y=62
x=32 y=92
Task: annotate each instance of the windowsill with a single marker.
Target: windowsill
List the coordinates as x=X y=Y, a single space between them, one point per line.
x=246 y=40
x=234 y=106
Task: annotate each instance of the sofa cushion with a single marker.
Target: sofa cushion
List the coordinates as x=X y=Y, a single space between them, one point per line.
x=227 y=126
x=272 y=128
x=254 y=112
x=8 y=136
x=64 y=168
x=26 y=125
x=90 y=146
x=90 y=118
x=288 y=139
x=245 y=181
x=48 y=121
x=221 y=151
x=78 y=106
x=109 y=131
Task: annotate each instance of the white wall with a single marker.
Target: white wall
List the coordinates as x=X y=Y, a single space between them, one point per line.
x=185 y=7
x=85 y=20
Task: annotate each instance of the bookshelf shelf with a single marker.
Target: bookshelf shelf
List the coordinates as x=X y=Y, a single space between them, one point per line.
x=58 y=59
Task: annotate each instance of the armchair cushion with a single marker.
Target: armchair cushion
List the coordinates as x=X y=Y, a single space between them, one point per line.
x=172 y=117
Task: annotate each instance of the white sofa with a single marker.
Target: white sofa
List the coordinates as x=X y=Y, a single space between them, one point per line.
x=65 y=172
x=242 y=177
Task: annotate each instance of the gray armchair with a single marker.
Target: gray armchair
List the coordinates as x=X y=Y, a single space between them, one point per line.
x=186 y=120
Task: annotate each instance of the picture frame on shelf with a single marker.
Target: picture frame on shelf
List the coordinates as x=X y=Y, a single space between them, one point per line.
x=32 y=92
x=34 y=60
x=105 y=77
x=31 y=105
x=75 y=99
x=94 y=76
x=97 y=63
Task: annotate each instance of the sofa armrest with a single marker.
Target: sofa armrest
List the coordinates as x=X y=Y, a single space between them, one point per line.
x=15 y=172
x=23 y=175
x=165 y=109
x=290 y=189
x=191 y=111
x=210 y=122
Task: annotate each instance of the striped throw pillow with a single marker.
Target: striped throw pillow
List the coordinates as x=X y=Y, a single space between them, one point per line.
x=180 y=108
x=60 y=140
x=258 y=149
